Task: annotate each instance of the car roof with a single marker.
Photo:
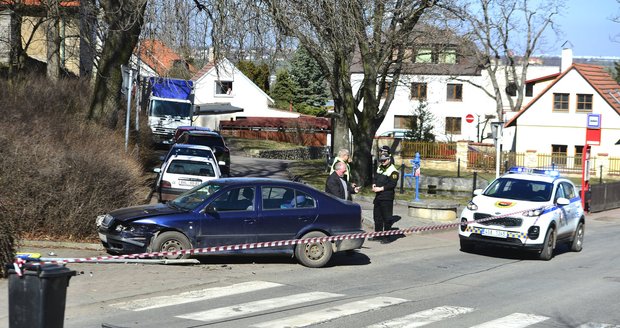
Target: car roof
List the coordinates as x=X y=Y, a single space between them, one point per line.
x=202 y=133
x=191 y=158
x=192 y=146
x=264 y=181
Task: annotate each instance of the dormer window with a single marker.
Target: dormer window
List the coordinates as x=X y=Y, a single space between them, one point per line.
x=436 y=55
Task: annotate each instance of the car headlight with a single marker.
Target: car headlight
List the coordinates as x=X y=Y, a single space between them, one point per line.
x=532 y=213
x=103 y=219
x=472 y=206
x=120 y=228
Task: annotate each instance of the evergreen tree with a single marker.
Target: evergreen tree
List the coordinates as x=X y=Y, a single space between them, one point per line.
x=616 y=74
x=283 y=90
x=310 y=81
x=421 y=124
x=259 y=74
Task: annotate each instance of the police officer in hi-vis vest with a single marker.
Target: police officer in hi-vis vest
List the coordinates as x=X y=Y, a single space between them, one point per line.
x=385 y=182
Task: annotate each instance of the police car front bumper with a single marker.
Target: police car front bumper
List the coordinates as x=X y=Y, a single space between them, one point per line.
x=508 y=242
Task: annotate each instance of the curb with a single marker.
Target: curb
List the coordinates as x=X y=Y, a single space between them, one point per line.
x=61 y=244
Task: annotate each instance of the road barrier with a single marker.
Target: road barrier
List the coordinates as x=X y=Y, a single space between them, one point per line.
x=19 y=262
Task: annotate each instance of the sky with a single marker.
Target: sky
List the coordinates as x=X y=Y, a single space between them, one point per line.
x=587 y=25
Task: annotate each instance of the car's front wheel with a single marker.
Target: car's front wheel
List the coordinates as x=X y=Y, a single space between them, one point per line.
x=577 y=244
x=314 y=254
x=171 y=241
x=547 y=251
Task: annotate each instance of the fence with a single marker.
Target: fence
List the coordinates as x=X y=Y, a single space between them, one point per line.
x=605 y=196
x=429 y=150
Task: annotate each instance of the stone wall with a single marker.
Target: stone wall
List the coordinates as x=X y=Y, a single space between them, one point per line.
x=302 y=153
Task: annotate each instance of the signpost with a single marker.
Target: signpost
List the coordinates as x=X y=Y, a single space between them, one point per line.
x=593 y=138
x=469 y=118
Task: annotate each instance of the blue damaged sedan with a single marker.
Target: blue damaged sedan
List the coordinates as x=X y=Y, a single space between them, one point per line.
x=235 y=211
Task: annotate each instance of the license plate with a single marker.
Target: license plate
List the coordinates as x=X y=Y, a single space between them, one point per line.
x=103 y=237
x=191 y=183
x=494 y=233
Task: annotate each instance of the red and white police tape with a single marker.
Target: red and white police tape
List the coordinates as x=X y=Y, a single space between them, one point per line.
x=19 y=262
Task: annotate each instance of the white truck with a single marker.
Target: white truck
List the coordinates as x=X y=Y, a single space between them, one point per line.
x=170 y=106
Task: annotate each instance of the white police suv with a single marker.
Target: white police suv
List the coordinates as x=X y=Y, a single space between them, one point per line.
x=528 y=209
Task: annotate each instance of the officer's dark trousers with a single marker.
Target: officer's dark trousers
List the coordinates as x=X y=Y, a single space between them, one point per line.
x=382 y=214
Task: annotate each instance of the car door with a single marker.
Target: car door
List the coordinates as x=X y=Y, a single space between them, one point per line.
x=285 y=212
x=230 y=218
x=573 y=212
x=564 y=212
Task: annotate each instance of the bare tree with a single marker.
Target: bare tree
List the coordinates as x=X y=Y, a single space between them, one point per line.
x=371 y=35
x=506 y=33
x=123 y=22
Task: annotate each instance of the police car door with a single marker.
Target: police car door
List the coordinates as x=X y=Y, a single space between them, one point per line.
x=563 y=212
x=574 y=208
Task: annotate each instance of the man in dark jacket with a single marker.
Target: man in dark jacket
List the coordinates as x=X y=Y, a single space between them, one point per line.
x=337 y=185
x=385 y=182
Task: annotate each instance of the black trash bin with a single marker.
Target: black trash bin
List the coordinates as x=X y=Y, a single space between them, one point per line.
x=37 y=298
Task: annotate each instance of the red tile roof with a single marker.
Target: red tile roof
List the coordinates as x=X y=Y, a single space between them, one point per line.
x=543 y=78
x=159 y=57
x=596 y=76
x=68 y=3
x=203 y=71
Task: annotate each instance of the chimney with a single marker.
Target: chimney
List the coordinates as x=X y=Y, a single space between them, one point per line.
x=567 y=56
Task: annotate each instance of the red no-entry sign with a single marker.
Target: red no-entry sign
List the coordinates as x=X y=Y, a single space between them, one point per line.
x=469 y=118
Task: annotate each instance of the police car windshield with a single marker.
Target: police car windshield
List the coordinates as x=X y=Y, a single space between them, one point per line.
x=510 y=188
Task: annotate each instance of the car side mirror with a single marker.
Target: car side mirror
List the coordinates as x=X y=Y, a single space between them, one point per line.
x=477 y=192
x=562 y=201
x=221 y=163
x=210 y=209
x=157 y=169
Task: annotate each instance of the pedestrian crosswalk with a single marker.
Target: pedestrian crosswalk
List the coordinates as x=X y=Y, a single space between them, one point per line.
x=329 y=307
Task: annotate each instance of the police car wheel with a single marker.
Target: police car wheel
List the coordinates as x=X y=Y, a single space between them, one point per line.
x=467 y=247
x=577 y=244
x=547 y=251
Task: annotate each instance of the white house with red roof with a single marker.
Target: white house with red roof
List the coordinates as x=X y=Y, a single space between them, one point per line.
x=555 y=119
x=224 y=93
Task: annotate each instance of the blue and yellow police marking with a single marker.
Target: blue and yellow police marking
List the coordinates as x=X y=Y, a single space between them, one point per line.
x=509 y=234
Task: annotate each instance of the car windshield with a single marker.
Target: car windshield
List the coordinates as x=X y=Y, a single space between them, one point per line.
x=192 y=198
x=186 y=167
x=206 y=140
x=161 y=108
x=517 y=189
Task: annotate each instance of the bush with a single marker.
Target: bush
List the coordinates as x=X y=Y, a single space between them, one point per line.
x=58 y=171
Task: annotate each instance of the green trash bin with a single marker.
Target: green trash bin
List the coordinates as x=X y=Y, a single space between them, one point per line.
x=37 y=297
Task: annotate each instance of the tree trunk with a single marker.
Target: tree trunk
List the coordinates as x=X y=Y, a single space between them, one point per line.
x=53 y=41
x=125 y=19
x=88 y=21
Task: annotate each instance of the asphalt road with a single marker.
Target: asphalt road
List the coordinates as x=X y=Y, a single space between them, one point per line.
x=420 y=280
x=425 y=275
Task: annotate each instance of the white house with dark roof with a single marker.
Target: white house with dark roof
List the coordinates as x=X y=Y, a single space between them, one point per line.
x=554 y=120
x=224 y=93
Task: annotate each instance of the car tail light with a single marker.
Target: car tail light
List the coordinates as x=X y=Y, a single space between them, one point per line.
x=165 y=184
x=463 y=224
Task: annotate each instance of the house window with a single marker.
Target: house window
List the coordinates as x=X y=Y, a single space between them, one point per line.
x=529 y=89
x=223 y=87
x=418 y=90
x=403 y=121
x=584 y=103
x=424 y=56
x=558 y=154
x=447 y=56
x=560 y=102
x=453 y=125
x=455 y=92
x=578 y=155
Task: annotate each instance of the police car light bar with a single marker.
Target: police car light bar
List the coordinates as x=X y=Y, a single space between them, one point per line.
x=521 y=169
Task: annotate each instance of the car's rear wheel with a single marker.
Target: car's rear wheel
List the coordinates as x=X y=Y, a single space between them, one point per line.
x=314 y=254
x=547 y=251
x=577 y=243
x=467 y=246
x=171 y=241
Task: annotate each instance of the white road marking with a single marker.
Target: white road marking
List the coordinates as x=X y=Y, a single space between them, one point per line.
x=515 y=320
x=257 y=306
x=193 y=296
x=331 y=313
x=423 y=318
x=598 y=325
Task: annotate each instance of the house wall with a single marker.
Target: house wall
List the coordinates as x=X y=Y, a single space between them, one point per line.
x=245 y=94
x=475 y=101
x=5 y=32
x=70 y=44
x=539 y=127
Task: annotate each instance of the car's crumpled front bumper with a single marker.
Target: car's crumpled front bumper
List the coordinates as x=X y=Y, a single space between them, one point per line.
x=125 y=242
